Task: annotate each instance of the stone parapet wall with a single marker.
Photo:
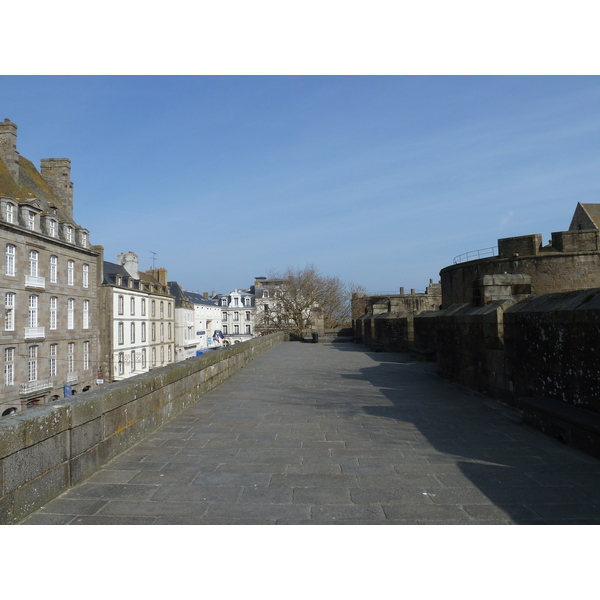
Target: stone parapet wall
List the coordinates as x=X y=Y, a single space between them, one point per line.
x=46 y=450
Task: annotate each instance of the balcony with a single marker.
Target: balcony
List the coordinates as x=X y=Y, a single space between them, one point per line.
x=34 y=387
x=72 y=378
x=35 y=333
x=39 y=283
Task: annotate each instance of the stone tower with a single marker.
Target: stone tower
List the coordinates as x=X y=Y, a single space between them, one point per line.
x=57 y=174
x=8 y=148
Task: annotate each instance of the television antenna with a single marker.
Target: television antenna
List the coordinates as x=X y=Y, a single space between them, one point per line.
x=153 y=258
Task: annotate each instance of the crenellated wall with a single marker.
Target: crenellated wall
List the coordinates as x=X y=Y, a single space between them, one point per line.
x=46 y=450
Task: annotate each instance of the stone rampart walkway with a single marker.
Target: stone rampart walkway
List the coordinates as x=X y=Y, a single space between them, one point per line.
x=331 y=433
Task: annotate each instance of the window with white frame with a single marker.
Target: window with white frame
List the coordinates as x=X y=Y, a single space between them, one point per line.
x=34 y=256
x=53 y=312
x=71 y=272
x=86 y=276
x=162 y=310
x=10 y=213
x=33 y=311
x=70 y=313
x=120 y=363
x=120 y=305
x=53 y=269
x=143 y=332
x=170 y=333
x=132 y=306
x=265 y=293
x=86 y=356
x=71 y=357
x=32 y=355
x=9 y=311
x=223 y=316
x=236 y=329
x=86 y=314
x=143 y=307
x=162 y=334
x=132 y=361
x=225 y=329
x=247 y=301
x=69 y=234
x=10 y=264
x=162 y=355
x=143 y=358
x=9 y=366
x=31 y=220
x=169 y=353
x=121 y=332
x=247 y=315
x=248 y=329
x=153 y=357
x=236 y=301
x=53 y=355
x=84 y=239
x=153 y=332
x=132 y=333
x=223 y=301
x=236 y=316
x=153 y=308
x=52 y=228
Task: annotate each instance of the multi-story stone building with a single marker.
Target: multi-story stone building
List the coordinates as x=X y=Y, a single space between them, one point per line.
x=186 y=341
x=237 y=316
x=48 y=283
x=137 y=316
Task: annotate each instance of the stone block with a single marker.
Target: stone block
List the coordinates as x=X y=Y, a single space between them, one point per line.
x=86 y=436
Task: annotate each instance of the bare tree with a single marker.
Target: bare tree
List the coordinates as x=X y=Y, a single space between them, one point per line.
x=303 y=300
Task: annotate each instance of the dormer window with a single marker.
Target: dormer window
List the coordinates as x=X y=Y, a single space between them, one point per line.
x=30 y=220
x=223 y=301
x=52 y=227
x=265 y=294
x=247 y=301
x=69 y=234
x=118 y=280
x=10 y=213
x=84 y=239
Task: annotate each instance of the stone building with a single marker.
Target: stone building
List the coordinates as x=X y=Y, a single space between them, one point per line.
x=186 y=341
x=570 y=261
x=207 y=319
x=137 y=318
x=48 y=281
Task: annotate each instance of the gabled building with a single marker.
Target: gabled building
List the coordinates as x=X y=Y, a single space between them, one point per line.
x=237 y=316
x=207 y=319
x=48 y=283
x=137 y=320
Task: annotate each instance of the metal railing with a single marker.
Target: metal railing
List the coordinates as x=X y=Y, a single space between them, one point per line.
x=475 y=255
x=35 y=386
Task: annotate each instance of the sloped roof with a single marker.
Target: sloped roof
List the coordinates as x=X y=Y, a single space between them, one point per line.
x=593 y=212
x=199 y=299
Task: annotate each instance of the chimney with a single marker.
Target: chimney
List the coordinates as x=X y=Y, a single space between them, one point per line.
x=56 y=172
x=130 y=263
x=8 y=148
x=205 y=295
x=213 y=294
x=401 y=291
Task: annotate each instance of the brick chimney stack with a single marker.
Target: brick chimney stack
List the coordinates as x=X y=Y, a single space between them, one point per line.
x=8 y=148
x=56 y=172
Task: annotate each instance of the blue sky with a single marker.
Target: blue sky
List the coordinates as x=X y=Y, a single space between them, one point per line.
x=378 y=180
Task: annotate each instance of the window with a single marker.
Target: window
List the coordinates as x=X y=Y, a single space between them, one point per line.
x=153 y=357
x=132 y=306
x=31 y=220
x=169 y=353
x=247 y=315
x=162 y=310
x=225 y=329
x=143 y=307
x=9 y=311
x=132 y=361
x=70 y=313
x=53 y=312
x=153 y=332
x=265 y=293
x=33 y=313
x=9 y=366
x=86 y=356
x=144 y=358
x=86 y=314
x=223 y=301
x=162 y=333
x=224 y=316
x=86 y=276
x=52 y=228
x=236 y=301
x=71 y=357
x=53 y=269
x=120 y=364
x=71 y=272
x=248 y=329
x=33 y=263
x=169 y=309
x=10 y=213
x=162 y=355
x=69 y=234
x=10 y=259
x=143 y=332
x=236 y=316
x=132 y=333
x=84 y=239
x=121 y=333
x=170 y=332
x=120 y=305
x=32 y=363
x=236 y=329
x=153 y=308
x=247 y=301
x=53 y=353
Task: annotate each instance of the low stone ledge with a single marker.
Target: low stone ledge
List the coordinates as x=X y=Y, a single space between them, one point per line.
x=572 y=425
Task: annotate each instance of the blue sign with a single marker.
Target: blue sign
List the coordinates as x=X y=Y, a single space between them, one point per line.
x=68 y=390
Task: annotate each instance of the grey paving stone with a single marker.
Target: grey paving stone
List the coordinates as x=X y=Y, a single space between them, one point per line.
x=40 y=518
x=112 y=491
x=67 y=506
x=242 y=479
x=302 y=480
x=321 y=495
x=154 y=509
x=347 y=512
x=198 y=493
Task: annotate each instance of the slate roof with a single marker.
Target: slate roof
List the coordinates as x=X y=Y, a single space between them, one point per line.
x=199 y=299
x=593 y=212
